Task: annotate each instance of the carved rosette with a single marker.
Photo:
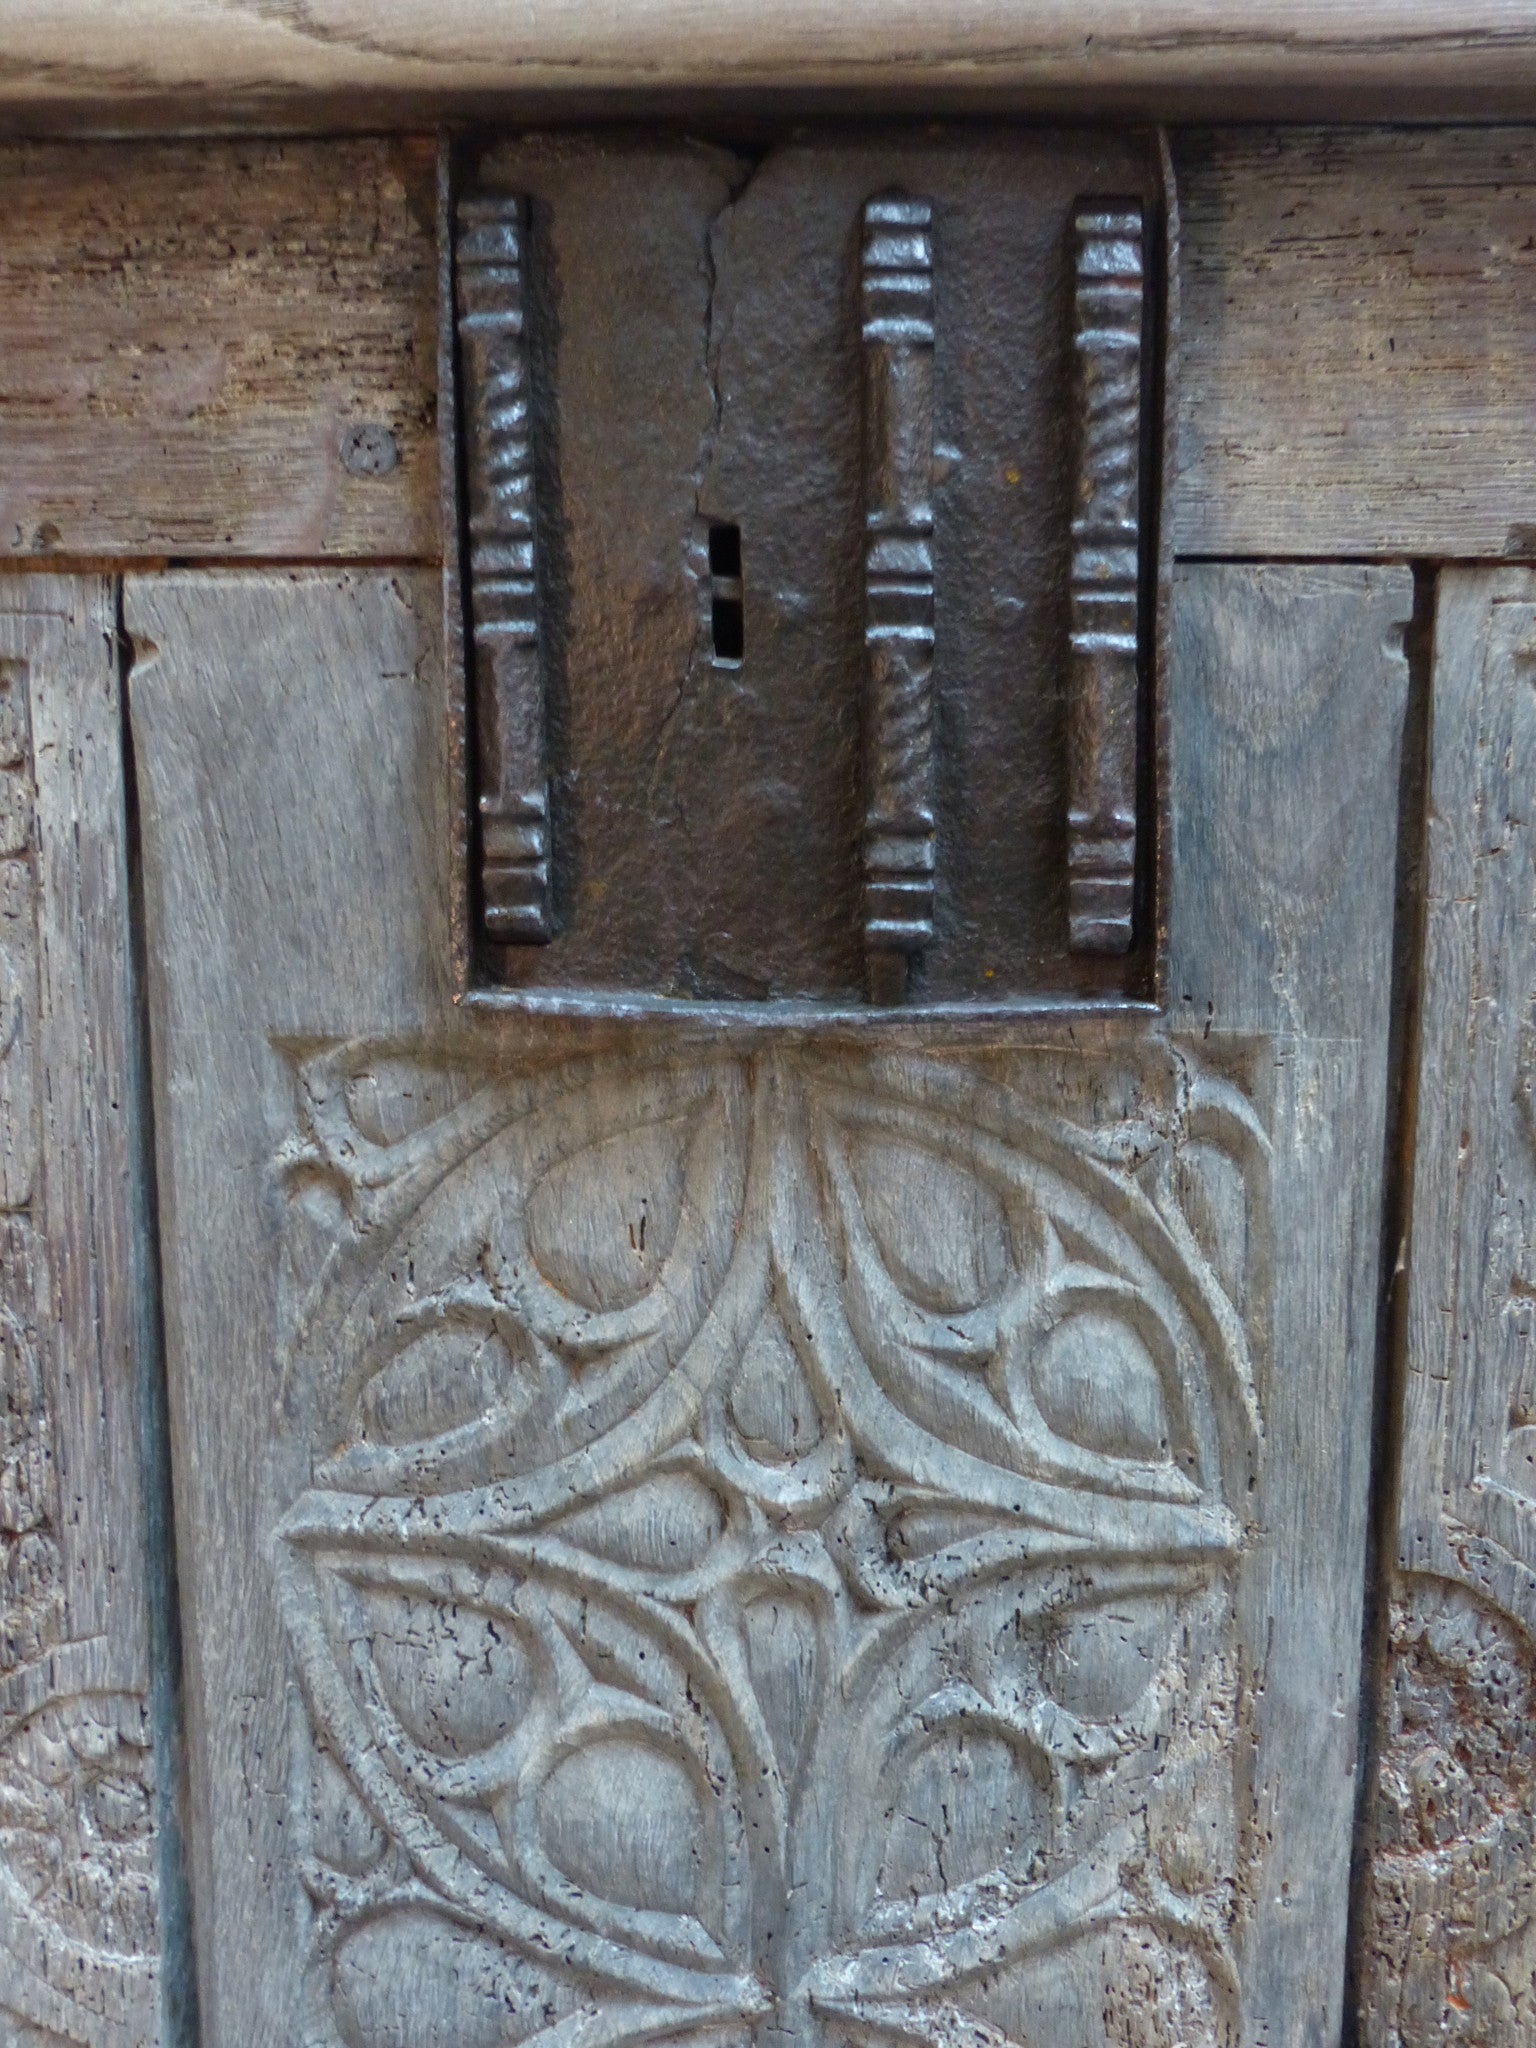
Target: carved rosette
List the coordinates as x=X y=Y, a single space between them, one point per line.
x=767 y=1558
x=1448 y=1938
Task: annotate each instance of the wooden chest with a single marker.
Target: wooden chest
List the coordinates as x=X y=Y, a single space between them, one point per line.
x=767 y=942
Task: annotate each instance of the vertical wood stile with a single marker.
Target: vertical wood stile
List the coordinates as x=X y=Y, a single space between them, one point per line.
x=899 y=815
x=80 y=1932
x=1106 y=534
x=1445 y=1931
x=510 y=750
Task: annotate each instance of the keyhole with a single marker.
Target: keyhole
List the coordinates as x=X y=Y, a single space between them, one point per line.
x=726 y=617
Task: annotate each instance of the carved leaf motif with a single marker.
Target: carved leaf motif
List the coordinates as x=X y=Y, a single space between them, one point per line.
x=1096 y=1381
x=410 y=1979
x=772 y=1405
x=602 y=1224
x=663 y=1527
x=943 y=1234
x=767 y=1521
x=621 y=1817
x=458 y=1678
x=77 y=1848
x=783 y=1637
x=449 y=1377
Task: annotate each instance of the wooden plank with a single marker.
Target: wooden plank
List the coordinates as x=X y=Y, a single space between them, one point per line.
x=200 y=333
x=721 y=1526
x=336 y=744
x=218 y=349
x=1448 y=1948
x=1358 y=345
x=79 y=1885
x=1390 y=56
x=1286 y=693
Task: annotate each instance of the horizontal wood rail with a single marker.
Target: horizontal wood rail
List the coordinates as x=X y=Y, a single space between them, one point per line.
x=225 y=350
x=1176 y=58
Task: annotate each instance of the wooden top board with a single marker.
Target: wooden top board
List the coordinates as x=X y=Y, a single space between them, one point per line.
x=1303 y=56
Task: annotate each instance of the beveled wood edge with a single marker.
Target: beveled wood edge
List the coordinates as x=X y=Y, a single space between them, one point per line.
x=384 y=63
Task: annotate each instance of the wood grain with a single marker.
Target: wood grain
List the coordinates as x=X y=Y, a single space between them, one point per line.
x=212 y=348
x=1449 y=1934
x=78 y=1864
x=339 y=747
x=1358 y=349
x=721 y=1525
x=1286 y=695
x=1389 y=54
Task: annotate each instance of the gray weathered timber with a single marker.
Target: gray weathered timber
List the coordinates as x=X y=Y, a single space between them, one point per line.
x=218 y=349
x=1358 y=365
x=1286 y=691
x=290 y=743
x=78 y=1868
x=823 y=1533
x=1448 y=1940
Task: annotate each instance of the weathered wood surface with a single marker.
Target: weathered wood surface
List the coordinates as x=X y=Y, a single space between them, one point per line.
x=324 y=835
x=1286 y=691
x=814 y=1532
x=1380 y=56
x=1358 y=343
x=1449 y=1935
x=218 y=349
x=78 y=1864
x=202 y=336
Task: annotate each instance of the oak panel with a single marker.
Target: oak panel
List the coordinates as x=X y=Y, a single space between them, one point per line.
x=1287 y=687
x=1358 y=348
x=807 y=1527
x=218 y=349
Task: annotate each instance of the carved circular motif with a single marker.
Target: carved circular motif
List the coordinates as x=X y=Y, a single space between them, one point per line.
x=769 y=1519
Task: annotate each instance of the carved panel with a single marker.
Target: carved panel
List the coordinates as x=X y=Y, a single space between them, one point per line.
x=768 y=1559
x=1449 y=1934
x=761 y=1531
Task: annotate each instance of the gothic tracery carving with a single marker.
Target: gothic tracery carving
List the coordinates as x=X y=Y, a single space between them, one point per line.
x=767 y=1556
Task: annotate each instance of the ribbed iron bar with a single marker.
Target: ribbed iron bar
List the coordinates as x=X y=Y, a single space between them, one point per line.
x=899 y=814
x=512 y=772
x=1106 y=558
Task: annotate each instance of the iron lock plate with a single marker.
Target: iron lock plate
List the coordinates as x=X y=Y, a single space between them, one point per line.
x=804 y=601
